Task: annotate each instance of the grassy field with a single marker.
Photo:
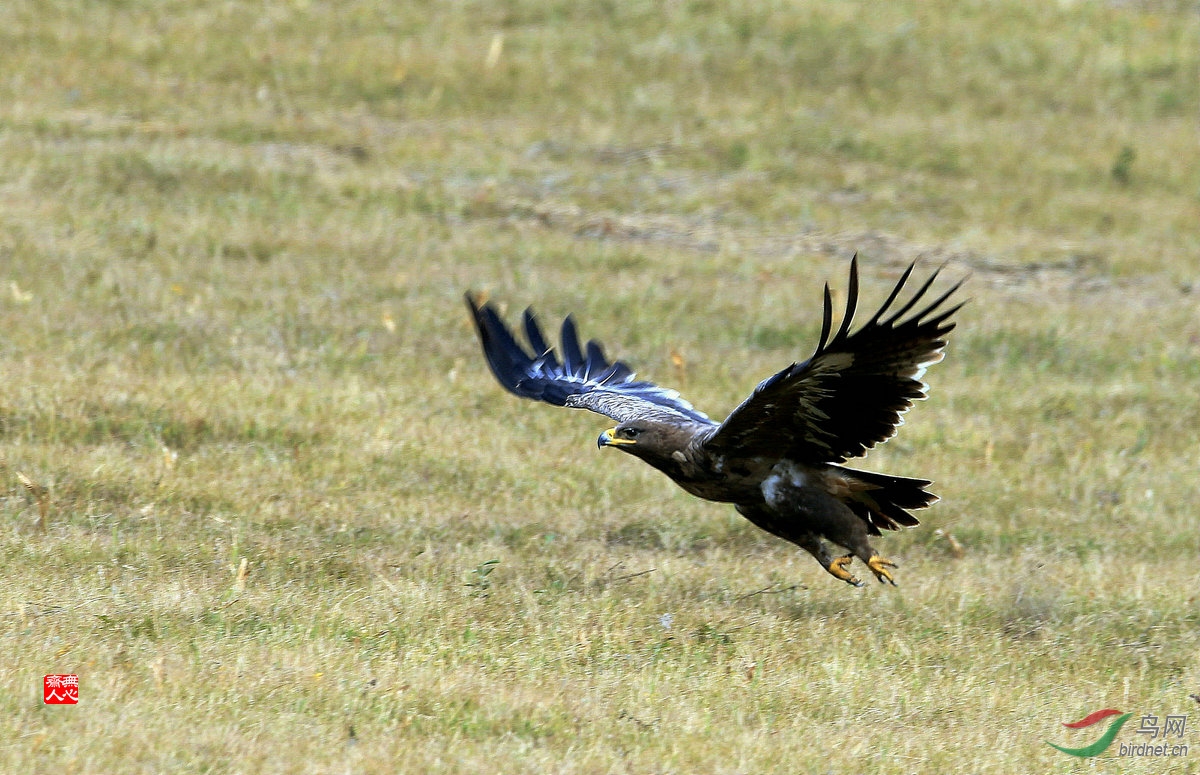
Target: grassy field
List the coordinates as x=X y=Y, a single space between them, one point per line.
x=280 y=518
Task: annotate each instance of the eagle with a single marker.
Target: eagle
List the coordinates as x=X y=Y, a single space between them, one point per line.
x=777 y=457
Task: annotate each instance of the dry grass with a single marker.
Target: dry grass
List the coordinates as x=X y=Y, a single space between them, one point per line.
x=268 y=473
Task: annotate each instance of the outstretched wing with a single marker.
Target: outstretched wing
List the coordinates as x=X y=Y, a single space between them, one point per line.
x=584 y=379
x=851 y=393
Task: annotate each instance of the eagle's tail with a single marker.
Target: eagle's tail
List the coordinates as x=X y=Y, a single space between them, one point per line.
x=883 y=500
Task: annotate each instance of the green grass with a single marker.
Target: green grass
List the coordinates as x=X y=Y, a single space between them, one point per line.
x=294 y=526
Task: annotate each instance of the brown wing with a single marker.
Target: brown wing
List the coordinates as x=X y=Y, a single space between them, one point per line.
x=851 y=393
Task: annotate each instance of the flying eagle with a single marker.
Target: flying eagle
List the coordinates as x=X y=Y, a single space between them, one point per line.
x=775 y=457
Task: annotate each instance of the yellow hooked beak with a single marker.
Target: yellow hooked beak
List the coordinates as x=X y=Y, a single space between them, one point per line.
x=609 y=438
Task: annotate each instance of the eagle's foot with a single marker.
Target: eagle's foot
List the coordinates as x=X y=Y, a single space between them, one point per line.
x=838 y=568
x=879 y=567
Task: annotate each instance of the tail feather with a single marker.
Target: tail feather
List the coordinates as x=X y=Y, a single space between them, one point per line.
x=883 y=499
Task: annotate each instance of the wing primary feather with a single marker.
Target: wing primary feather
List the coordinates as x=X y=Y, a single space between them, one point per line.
x=892 y=297
x=851 y=301
x=572 y=356
x=826 y=320
x=507 y=359
x=938 y=302
x=541 y=349
x=915 y=298
x=595 y=359
x=494 y=328
x=937 y=321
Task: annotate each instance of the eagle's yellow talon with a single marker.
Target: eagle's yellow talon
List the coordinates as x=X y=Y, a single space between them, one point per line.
x=838 y=568
x=879 y=566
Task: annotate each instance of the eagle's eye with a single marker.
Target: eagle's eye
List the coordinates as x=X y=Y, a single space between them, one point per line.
x=630 y=433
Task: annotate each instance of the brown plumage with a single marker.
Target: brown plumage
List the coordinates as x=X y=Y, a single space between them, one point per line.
x=776 y=456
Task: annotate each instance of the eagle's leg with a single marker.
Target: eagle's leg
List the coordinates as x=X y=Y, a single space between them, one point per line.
x=835 y=565
x=847 y=529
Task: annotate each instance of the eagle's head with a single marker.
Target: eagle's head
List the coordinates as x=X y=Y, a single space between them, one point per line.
x=662 y=445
